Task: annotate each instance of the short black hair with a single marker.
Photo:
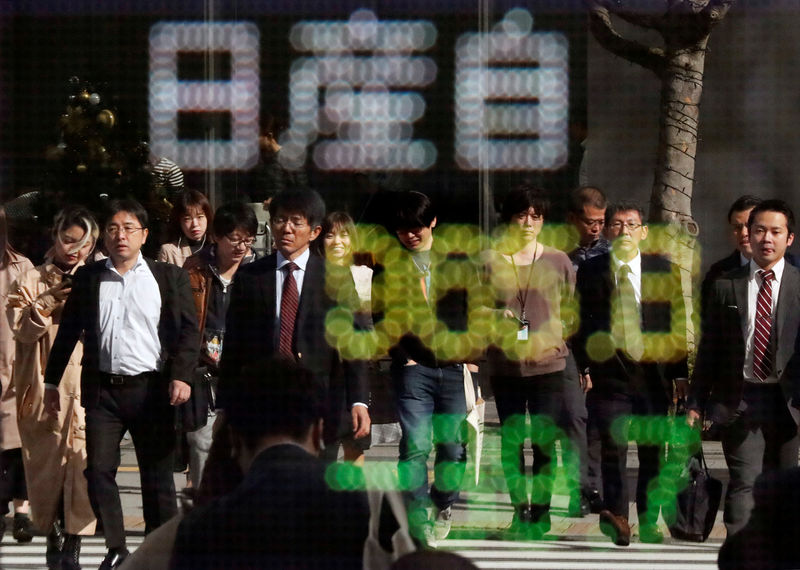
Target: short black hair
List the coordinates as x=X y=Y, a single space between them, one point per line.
x=587 y=196
x=523 y=197
x=411 y=210
x=773 y=205
x=132 y=207
x=624 y=206
x=302 y=201
x=743 y=203
x=273 y=396
x=235 y=215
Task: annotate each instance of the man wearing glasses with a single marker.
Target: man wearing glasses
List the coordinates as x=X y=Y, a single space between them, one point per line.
x=211 y=274
x=279 y=305
x=624 y=295
x=587 y=213
x=140 y=343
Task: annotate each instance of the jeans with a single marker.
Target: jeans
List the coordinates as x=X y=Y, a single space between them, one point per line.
x=432 y=408
x=199 y=444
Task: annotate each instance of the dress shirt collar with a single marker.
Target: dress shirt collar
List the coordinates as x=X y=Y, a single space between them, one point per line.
x=742 y=259
x=301 y=261
x=635 y=264
x=777 y=268
x=138 y=266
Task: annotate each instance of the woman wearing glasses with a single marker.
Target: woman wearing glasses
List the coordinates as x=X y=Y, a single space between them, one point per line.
x=533 y=285
x=189 y=221
x=211 y=274
x=54 y=446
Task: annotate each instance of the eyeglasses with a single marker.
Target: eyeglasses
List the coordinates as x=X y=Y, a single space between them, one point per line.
x=114 y=231
x=298 y=222
x=247 y=242
x=593 y=223
x=632 y=226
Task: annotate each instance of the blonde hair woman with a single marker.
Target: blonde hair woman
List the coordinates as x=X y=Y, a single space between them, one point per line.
x=54 y=447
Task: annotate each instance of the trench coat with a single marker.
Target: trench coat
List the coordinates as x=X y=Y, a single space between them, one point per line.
x=53 y=448
x=9 y=434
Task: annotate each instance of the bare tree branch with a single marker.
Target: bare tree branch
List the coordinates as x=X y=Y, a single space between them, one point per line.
x=651 y=58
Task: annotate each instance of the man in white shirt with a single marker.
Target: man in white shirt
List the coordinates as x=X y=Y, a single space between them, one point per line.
x=141 y=345
x=746 y=378
x=625 y=295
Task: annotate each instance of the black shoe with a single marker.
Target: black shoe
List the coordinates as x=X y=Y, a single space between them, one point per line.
x=71 y=553
x=23 y=528
x=593 y=498
x=114 y=558
x=540 y=523
x=578 y=507
x=55 y=542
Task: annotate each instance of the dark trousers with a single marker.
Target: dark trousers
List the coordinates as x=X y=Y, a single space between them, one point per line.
x=574 y=422
x=609 y=409
x=423 y=392
x=12 y=478
x=543 y=397
x=141 y=407
x=763 y=437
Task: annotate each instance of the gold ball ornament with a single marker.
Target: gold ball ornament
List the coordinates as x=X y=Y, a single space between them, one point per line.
x=106 y=118
x=84 y=95
x=81 y=168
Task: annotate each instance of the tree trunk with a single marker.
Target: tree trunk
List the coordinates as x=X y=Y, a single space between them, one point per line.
x=681 y=88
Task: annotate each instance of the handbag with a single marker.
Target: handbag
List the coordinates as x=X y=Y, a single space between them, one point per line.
x=193 y=413
x=698 y=503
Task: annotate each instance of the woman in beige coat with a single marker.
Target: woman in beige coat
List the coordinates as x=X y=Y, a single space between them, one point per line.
x=12 y=476
x=54 y=447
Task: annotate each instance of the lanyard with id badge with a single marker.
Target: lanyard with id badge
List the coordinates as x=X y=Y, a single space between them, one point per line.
x=524 y=323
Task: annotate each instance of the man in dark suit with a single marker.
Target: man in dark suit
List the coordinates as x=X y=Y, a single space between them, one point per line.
x=284 y=514
x=632 y=344
x=278 y=308
x=738 y=214
x=140 y=346
x=746 y=378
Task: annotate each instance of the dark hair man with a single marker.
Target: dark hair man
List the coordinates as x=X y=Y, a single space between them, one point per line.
x=587 y=211
x=278 y=308
x=283 y=514
x=738 y=214
x=211 y=274
x=630 y=375
x=140 y=348
x=426 y=379
x=743 y=379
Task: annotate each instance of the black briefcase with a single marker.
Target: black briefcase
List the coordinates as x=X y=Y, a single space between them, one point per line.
x=698 y=503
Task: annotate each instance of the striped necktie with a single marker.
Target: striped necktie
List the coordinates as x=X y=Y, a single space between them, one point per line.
x=762 y=353
x=289 y=303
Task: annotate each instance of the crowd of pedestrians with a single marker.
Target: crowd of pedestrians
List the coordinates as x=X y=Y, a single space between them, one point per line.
x=266 y=366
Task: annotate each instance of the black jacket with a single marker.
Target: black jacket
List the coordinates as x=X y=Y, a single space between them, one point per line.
x=177 y=328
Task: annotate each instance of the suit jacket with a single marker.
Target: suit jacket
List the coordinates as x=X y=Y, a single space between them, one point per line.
x=250 y=329
x=717 y=381
x=283 y=515
x=663 y=314
x=177 y=328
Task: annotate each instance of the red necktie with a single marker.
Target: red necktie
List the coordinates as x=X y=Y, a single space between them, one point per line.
x=289 y=302
x=762 y=357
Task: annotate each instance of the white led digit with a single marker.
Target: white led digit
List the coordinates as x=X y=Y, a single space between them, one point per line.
x=239 y=95
x=369 y=106
x=512 y=97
